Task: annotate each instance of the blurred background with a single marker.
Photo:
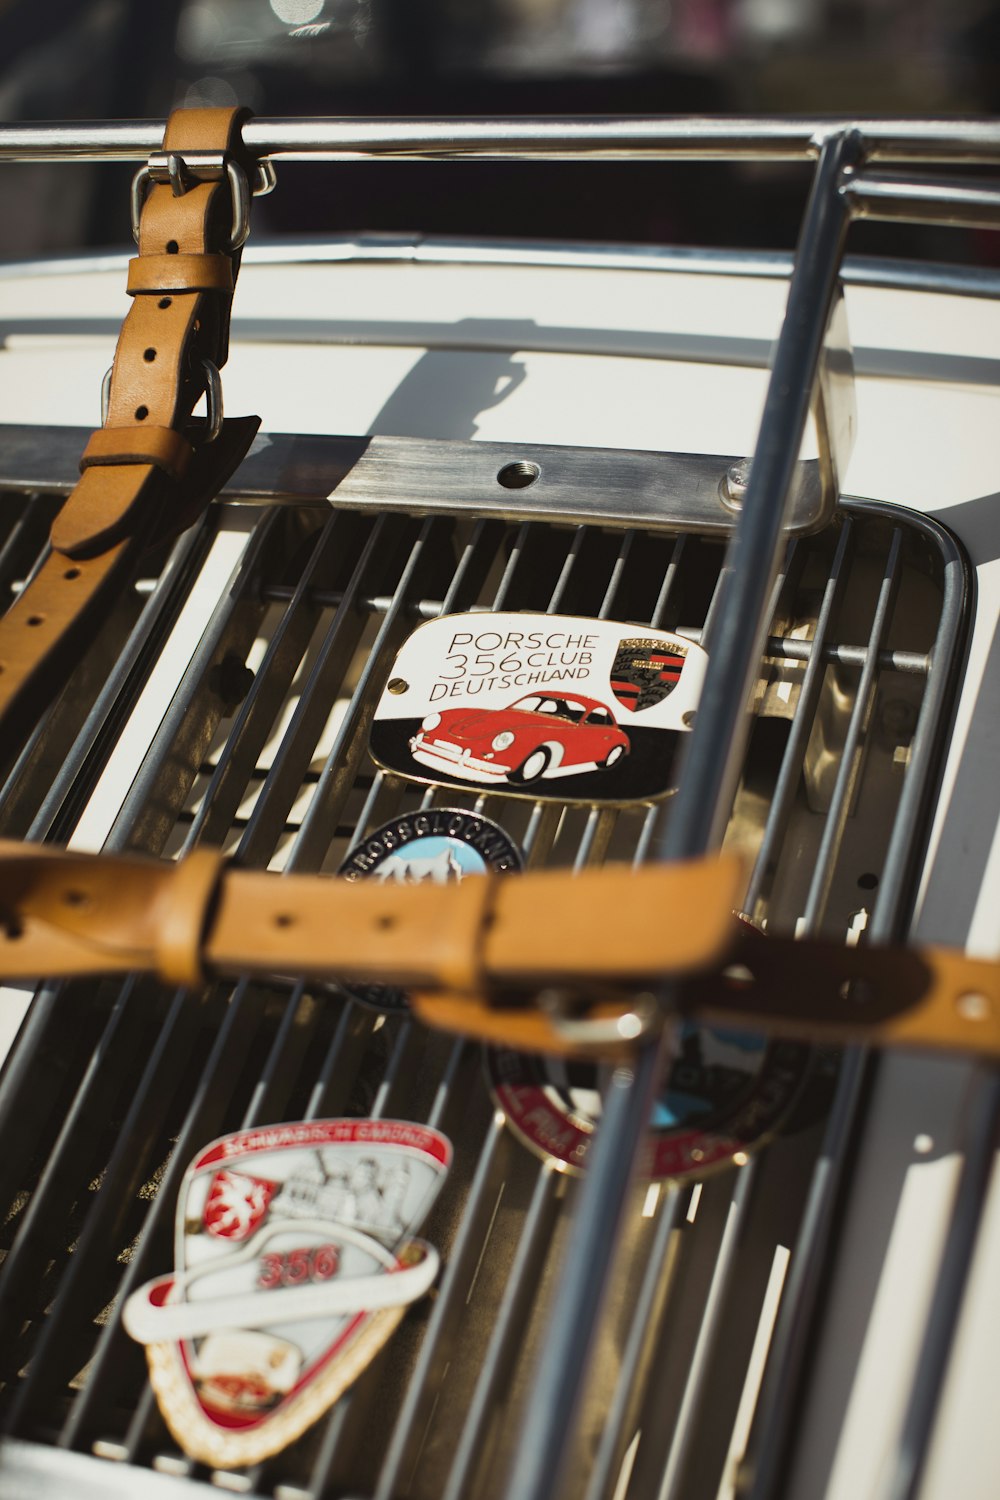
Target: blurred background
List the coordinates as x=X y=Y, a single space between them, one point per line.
x=132 y=59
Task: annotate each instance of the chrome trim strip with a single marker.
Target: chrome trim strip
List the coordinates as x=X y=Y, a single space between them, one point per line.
x=446 y=250
x=549 y=138
x=406 y=475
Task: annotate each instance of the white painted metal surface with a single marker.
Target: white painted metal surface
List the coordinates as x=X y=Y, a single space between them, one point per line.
x=653 y=359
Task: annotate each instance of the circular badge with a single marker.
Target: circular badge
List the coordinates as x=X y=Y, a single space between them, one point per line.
x=725 y=1093
x=443 y=845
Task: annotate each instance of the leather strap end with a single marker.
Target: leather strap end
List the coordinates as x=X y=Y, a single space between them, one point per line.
x=187 y=908
x=179 y=273
x=162 y=447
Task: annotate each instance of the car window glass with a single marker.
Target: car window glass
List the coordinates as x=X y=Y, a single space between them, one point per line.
x=559 y=708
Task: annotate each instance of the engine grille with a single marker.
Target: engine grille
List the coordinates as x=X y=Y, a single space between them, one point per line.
x=262 y=749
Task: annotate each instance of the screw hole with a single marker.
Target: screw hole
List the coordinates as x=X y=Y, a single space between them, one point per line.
x=149 y=355
x=76 y=898
x=36 y=619
x=518 y=476
x=172 y=247
x=868 y=882
x=165 y=302
x=141 y=413
x=284 y=919
x=72 y=573
x=385 y=922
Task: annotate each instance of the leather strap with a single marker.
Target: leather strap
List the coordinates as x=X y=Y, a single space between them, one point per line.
x=149 y=471
x=476 y=955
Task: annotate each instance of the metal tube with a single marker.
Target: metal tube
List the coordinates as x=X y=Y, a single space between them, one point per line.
x=737 y=641
x=549 y=1422
x=698 y=819
x=969 y=204
x=548 y=138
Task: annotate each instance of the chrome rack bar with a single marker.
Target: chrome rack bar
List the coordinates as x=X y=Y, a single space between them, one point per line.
x=970 y=204
x=696 y=822
x=548 y=138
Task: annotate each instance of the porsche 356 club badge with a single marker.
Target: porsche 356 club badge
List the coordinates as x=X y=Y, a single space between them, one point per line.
x=726 y=1093
x=296 y=1259
x=441 y=845
x=540 y=706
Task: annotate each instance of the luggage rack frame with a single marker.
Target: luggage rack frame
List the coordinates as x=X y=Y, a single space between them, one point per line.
x=844 y=188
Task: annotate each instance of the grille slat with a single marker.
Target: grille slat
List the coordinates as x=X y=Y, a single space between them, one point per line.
x=794 y=756
x=848 y=769
x=709 y=1331
x=623 y=1415
x=263 y=700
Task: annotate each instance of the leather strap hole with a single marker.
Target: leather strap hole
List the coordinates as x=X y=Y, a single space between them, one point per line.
x=36 y=619
x=72 y=573
x=172 y=247
x=141 y=413
x=165 y=302
x=149 y=355
x=283 y=919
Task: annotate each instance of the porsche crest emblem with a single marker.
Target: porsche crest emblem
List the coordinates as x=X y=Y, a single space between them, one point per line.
x=540 y=706
x=645 y=670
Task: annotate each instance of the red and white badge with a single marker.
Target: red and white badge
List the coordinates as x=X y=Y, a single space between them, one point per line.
x=726 y=1093
x=540 y=706
x=296 y=1259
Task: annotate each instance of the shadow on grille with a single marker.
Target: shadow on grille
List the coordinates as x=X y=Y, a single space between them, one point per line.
x=262 y=749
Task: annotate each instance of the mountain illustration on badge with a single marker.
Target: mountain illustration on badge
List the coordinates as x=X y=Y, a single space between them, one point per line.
x=437 y=845
x=540 y=706
x=296 y=1258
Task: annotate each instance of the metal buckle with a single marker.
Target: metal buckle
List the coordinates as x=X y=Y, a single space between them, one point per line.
x=106 y=395
x=637 y=1019
x=213 y=399
x=202 y=166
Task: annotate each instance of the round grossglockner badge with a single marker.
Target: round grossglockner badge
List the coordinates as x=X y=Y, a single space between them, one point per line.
x=443 y=845
x=726 y=1092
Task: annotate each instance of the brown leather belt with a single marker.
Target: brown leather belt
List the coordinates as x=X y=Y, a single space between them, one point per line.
x=476 y=956
x=151 y=469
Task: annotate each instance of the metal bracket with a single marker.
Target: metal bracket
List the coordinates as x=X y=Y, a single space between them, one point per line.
x=667 y=492
x=818 y=482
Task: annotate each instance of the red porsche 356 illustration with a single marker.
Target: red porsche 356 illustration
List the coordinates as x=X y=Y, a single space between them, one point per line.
x=541 y=735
